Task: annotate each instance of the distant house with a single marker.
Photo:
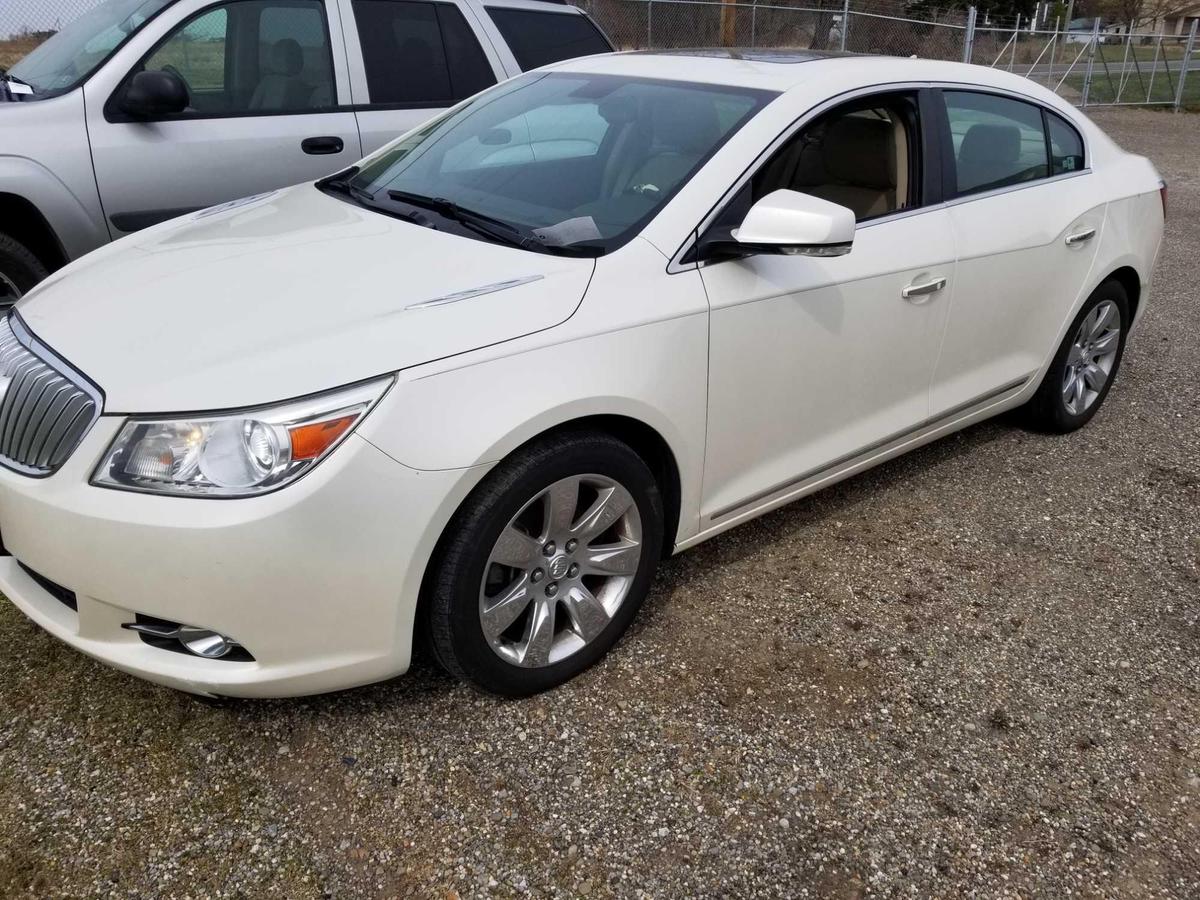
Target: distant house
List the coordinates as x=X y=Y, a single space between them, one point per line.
x=1177 y=21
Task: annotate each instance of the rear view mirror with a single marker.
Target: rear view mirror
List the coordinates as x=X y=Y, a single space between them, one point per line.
x=154 y=94
x=798 y=224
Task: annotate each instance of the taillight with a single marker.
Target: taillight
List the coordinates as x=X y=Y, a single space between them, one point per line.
x=1162 y=193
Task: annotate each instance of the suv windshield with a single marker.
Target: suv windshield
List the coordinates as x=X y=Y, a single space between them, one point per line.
x=562 y=161
x=74 y=53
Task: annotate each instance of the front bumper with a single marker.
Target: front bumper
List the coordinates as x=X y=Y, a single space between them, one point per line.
x=318 y=581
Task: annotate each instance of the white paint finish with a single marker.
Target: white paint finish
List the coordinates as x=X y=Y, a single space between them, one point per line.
x=288 y=296
x=812 y=358
x=1020 y=280
x=756 y=374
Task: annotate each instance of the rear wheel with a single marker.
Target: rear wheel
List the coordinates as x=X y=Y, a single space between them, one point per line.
x=546 y=564
x=20 y=270
x=1087 y=361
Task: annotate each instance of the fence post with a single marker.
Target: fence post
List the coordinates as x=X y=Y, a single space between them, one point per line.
x=1087 y=78
x=753 y=23
x=845 y=23
x=1012 y=59
x=1183 y=69
x=649 y=22
x=969 y=37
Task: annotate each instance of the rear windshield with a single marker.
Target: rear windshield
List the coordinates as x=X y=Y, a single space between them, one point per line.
x=541 y=38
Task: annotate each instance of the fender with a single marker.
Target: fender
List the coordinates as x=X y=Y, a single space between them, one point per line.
x=78 y=228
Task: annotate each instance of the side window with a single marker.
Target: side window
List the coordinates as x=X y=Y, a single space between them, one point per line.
x=865 y=156
x=196 y=53
x=540 y=38
x=1066 y=146
x=419 y=53
x=997 y=141
x=256 y=56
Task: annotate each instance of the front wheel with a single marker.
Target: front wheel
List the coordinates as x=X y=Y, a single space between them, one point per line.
x=1083 y=369
x=546 y=564
x=20 y=270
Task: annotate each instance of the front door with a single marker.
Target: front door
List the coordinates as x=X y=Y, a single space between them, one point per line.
x=263 y=82
x=815 y=362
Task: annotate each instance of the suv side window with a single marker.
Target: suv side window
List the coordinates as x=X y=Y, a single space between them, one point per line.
x=540 y=38
x=251 y=56
x=419 y=53
x=997 y=141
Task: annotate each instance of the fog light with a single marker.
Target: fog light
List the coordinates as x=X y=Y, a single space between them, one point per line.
x=191 y=639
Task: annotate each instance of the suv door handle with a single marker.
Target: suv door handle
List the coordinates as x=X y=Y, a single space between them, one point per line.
x=927 y=287
x=320 y=146
x=1080 y=237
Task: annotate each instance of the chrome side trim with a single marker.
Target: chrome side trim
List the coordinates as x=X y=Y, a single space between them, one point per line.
x=475 y=292
x=858 y=455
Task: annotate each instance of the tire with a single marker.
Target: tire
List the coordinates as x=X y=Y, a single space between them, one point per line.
x=20 y=270
x=516 y=501
x=1055 y=410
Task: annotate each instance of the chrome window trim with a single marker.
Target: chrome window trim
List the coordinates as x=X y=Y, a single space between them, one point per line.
x=675 y=267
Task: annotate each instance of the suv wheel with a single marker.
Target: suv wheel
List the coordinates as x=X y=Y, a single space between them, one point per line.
x=545 y=566
x=20 y=270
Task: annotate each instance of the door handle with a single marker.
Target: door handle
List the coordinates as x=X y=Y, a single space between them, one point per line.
x=926 y=287
x=1080 y=237
x=321 y=146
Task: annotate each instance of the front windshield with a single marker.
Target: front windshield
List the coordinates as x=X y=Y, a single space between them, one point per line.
x=566 y=159
x=73 y=53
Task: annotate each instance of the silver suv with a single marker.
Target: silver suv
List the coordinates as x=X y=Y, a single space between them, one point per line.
x=143 y=110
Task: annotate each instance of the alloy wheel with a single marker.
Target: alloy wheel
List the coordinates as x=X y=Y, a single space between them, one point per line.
x=560 y=570
x=1091 y=358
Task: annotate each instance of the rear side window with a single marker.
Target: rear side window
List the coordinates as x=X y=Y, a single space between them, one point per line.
x=1066 y=146
x=997 y=141
x=540 y=38
x=420 y=54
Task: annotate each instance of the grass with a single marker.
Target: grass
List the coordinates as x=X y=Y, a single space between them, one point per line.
x=1105 y=91
x=14 y=49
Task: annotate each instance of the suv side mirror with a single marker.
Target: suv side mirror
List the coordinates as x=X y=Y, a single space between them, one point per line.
x=154 y=94
x=795 y=224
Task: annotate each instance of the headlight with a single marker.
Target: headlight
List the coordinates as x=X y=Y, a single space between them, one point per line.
x=234 y=454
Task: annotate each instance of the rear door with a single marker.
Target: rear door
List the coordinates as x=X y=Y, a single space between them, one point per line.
x=410 y=59
x=1027 y=224
x=264 y=79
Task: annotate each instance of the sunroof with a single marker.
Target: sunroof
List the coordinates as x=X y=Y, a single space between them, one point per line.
x=784 y=56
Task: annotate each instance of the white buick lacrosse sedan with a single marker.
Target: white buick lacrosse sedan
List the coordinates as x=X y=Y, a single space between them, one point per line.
x=472 y=390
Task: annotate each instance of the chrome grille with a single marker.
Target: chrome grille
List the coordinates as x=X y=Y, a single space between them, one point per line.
x=43 y=413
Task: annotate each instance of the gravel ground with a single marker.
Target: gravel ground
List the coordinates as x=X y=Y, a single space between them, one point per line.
x=971 y=671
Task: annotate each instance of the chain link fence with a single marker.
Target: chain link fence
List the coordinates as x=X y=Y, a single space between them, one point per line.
x=1087 y=62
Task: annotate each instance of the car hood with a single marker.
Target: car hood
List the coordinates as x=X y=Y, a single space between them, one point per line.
x=287 y=294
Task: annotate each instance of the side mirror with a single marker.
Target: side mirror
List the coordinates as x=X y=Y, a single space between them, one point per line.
x=154 y=94
x=796 y=224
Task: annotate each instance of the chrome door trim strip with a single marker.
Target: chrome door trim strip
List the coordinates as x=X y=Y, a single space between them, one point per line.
x=857 y=455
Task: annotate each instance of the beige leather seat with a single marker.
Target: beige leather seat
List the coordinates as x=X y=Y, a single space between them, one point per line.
x=282 y=88
x=859 y=155
x=988 y=153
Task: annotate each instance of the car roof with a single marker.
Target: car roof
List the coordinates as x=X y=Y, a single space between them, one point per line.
x=782 y=70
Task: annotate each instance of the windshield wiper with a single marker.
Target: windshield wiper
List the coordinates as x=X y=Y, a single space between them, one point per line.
x=478 y=222
x=7 y=79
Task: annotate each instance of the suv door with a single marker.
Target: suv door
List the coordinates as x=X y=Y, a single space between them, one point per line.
x=1027 y=225
x=264 y=85
x=816 y=363
x=410 y=59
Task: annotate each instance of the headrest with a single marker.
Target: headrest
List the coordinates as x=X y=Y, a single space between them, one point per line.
x=686 y=124
x=286 y=58
x=984 y=143
x=860 y=151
